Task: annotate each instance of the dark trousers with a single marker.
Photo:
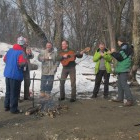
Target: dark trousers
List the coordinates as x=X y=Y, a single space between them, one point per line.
x=26 y=75
x=47 y=83
x=12 y=94
x=72 y=73
x=98 y=79
x=27 y=81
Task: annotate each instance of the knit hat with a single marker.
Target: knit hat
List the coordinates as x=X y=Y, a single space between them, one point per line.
x=122 y=39
x=21 y=40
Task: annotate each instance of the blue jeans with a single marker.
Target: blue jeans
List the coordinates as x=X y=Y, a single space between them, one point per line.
x=123 y=87
x=12 y=94
x=47 y=83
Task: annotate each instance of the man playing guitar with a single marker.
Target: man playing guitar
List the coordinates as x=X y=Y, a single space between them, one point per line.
x=67 y=57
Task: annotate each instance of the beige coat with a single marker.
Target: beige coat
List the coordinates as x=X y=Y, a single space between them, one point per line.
x=49 y=63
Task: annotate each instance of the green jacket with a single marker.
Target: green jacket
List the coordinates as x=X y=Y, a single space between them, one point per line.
x=124 y=59
x=107 y=57
x=123 y=66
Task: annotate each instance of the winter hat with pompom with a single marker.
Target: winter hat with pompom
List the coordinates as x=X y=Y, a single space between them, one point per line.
x=21 y=40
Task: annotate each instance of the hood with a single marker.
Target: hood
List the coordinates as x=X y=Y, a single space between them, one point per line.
x=123 y=44
x=17 y=47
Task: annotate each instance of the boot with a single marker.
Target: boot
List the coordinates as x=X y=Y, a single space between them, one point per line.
x=128 y=103
x=94 y=96
x=117 y=100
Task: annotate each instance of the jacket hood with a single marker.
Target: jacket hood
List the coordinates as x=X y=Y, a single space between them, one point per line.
x=17 y=47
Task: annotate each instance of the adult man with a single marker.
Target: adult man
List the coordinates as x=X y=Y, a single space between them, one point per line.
x=26 y=72
x=65 y=55
x=13 y=73
x=49 y=66
x=102 y=69
x=122 y=69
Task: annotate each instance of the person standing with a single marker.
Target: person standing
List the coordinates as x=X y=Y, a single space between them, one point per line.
x=68 y=69
x=26 y=72
x=13 y=73
x=49 y=67
x=122 y=68
x=102 y=69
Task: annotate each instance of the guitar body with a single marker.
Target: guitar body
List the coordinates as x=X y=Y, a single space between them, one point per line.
x=71 y=57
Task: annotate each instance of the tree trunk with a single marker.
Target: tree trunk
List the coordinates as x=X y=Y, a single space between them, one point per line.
x=110 y=24
x=58 y=34
x=119 y=9
x=136 y=38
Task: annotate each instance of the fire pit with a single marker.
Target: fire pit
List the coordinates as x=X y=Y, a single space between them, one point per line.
x=46 y=106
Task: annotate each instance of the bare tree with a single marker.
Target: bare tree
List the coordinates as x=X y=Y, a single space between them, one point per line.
x=82 y=22
x=10 y=22
x=32 y=24
x=119 y=8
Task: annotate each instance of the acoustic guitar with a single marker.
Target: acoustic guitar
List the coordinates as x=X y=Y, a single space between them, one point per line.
x=71 y=56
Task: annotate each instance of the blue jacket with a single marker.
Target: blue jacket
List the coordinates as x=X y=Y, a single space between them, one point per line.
x=13 y=59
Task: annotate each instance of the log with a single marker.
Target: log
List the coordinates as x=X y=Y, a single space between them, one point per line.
x=90 y=79
x=113 y=84
x=138 y=74
x=89 y=67
x=88 y=74
x=134 y=83
x=33 y=110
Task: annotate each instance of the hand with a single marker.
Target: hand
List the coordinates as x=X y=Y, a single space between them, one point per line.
x=113 y=50
x=102 y=54
x=50 y=57
x=42 y=58
x=81 y=52
x=46 y=58
x=109 y=52
x=65 y=55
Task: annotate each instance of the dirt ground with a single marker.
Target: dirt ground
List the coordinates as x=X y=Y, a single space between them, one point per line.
x=89 y=119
